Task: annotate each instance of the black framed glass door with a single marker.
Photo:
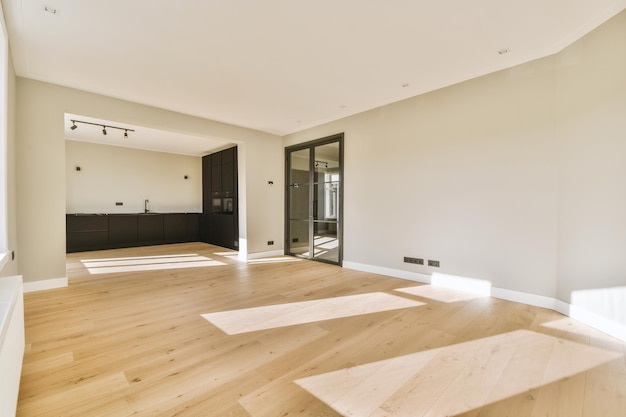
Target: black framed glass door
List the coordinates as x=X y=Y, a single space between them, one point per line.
x=314 y=203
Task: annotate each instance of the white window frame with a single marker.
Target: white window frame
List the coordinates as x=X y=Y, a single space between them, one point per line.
x=4 y=78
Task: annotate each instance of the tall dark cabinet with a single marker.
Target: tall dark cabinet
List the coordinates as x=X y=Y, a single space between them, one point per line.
x=220 y=220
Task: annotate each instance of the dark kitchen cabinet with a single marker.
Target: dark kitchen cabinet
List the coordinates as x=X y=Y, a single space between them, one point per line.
x=216 y=172
x=86 y=232
x=228 y=171
x=123 y=229
x=175 y=227
x=219 y=223
x=193 y=227
x=150 y=228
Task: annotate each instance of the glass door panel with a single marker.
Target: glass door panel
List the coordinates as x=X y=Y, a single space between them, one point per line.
x=299 y=185
x=299 y=241
x=299 y=207
x=326 y=201
x=313 y=205
x=325 y=241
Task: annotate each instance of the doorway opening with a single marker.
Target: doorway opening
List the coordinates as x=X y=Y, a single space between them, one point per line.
x=314 y=200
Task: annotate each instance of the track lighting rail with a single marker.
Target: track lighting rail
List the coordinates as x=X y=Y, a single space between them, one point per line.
x=104 y=127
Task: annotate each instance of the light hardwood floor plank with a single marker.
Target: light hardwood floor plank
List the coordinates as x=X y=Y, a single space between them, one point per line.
x=134 y=343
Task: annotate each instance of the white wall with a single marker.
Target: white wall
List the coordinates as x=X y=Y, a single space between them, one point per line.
x=516 y=177
x=41 y=168
x=110 y=174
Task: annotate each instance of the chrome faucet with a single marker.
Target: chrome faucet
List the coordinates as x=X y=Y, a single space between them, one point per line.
x=146 y=206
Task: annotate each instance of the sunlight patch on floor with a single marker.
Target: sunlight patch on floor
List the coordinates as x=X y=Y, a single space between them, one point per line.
x=445 y=295
x=570 y=325
x=147 y=263
x=273 y=316
x=454 y=379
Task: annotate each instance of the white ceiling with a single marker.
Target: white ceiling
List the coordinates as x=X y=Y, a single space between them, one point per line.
x=281 y=66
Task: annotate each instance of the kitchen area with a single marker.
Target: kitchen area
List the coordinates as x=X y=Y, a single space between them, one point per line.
x=120 y=194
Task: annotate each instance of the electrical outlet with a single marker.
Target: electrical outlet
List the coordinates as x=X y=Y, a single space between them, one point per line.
x=433 y=263
x=270 y=242
x=417 y=261
x=294 y=240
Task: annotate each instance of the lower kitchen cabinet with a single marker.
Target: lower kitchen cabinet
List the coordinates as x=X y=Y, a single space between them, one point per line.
x=193 y=227
x=122 y=229
x=86 y=232
x=150 y=228
x=175 y=227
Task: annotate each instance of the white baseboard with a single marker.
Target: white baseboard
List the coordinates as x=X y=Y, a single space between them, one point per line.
x=259 y=255
x=525 y=298
x=396 y=273
x=610 y=327
x=46 y=284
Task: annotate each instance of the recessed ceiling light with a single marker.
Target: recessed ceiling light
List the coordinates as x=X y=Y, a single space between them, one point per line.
x=504 y=51
x=50 y=9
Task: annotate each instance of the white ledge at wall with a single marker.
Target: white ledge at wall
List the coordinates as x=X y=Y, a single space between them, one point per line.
x=12 y=342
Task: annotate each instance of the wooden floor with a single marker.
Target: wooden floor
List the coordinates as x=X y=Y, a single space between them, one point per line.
x=187 y=330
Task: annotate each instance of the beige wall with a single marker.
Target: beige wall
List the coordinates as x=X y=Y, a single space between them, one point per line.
x=41 y=168
x=591 y=127
x=516 y=177
x=110 y=174
x=11 y=268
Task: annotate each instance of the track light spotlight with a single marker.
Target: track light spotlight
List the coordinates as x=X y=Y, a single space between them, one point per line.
x=125 y=134
x=104 y=130
x=73 y=125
